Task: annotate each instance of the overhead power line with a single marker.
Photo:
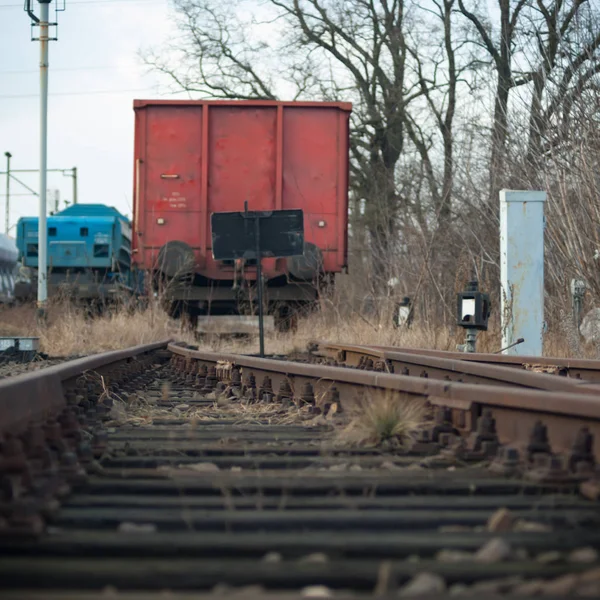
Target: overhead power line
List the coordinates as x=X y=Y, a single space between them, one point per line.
x=93 y=93
x=91 y=2
x=92 y=68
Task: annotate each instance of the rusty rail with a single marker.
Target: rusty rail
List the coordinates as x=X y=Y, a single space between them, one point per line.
x=484 y=416
x=36 y=396
x=211 y=485
x=577 y=368
x=449 y=367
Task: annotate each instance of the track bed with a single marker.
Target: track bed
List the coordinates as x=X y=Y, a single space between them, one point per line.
x=168 y=475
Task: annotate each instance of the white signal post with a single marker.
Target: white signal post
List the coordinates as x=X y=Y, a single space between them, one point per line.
x=522 y=225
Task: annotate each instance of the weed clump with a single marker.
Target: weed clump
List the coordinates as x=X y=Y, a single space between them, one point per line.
x=385 y=420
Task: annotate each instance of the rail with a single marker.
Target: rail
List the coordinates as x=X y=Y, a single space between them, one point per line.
x=578 y=368
x=163 y=468
x=37 y=395
x=451 y=367
x=561 y=420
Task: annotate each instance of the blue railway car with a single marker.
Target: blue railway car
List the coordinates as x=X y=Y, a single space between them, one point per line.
x=89 y=254
x=8 y=265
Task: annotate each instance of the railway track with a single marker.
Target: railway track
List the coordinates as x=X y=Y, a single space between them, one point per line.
x=351 y=355
x=162 y=468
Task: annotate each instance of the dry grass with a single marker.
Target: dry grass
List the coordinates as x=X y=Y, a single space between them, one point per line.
x=344 y=326
x=384 y=419
x=142 y=411
x=70 y=332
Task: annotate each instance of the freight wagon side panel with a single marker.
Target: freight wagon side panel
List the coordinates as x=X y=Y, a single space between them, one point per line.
x=168 y=180
x=194 y=158
x=315 y=177
x=242 y=155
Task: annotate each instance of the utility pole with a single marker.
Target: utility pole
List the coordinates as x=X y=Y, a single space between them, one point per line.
x=42 y=295
x=42 y=227
x=8 y=157
x=74 y=176
x=44 y=38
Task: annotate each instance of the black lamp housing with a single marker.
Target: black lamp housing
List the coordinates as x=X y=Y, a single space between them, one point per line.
x=473 y=308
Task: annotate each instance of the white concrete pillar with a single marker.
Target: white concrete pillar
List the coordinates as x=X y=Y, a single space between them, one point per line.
x=522 y=227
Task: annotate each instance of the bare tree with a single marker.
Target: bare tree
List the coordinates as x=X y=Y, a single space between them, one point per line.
x=567 y=40
x=501 y=50
x=334 y=50
x=429 y=150
x=214 y=56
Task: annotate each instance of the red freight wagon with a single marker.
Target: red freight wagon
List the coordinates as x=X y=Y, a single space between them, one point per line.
x=193 y=158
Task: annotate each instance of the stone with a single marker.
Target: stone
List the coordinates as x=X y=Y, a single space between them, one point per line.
x=316 y=591
x=453 y=556
x=531 y=526
x=127 y=527
x=560 y=586
x=593 y=575
x=583 y=555
x=423 y=584
x=389 y=465
x=316 y=558
x=223 y=400
x=205 y=467
x=501 y=520
x=454 y=528
x=496 y=586
x=533 y=587
x=386 y=582
x=340 y=467
x=414 y=467
x=495 y=550
x=588 y=590
x=182 y=406
x=356 y=468
x=221 y=589
x=272 y=557
x=235 y=469
x=110 y=591
x=165 y=390
x=248 y=590
x=118 y=413
x=547 y=558
x=590 y=489
x=458 y=589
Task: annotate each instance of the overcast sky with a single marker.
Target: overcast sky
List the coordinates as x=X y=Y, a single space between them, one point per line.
x=95 y=74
